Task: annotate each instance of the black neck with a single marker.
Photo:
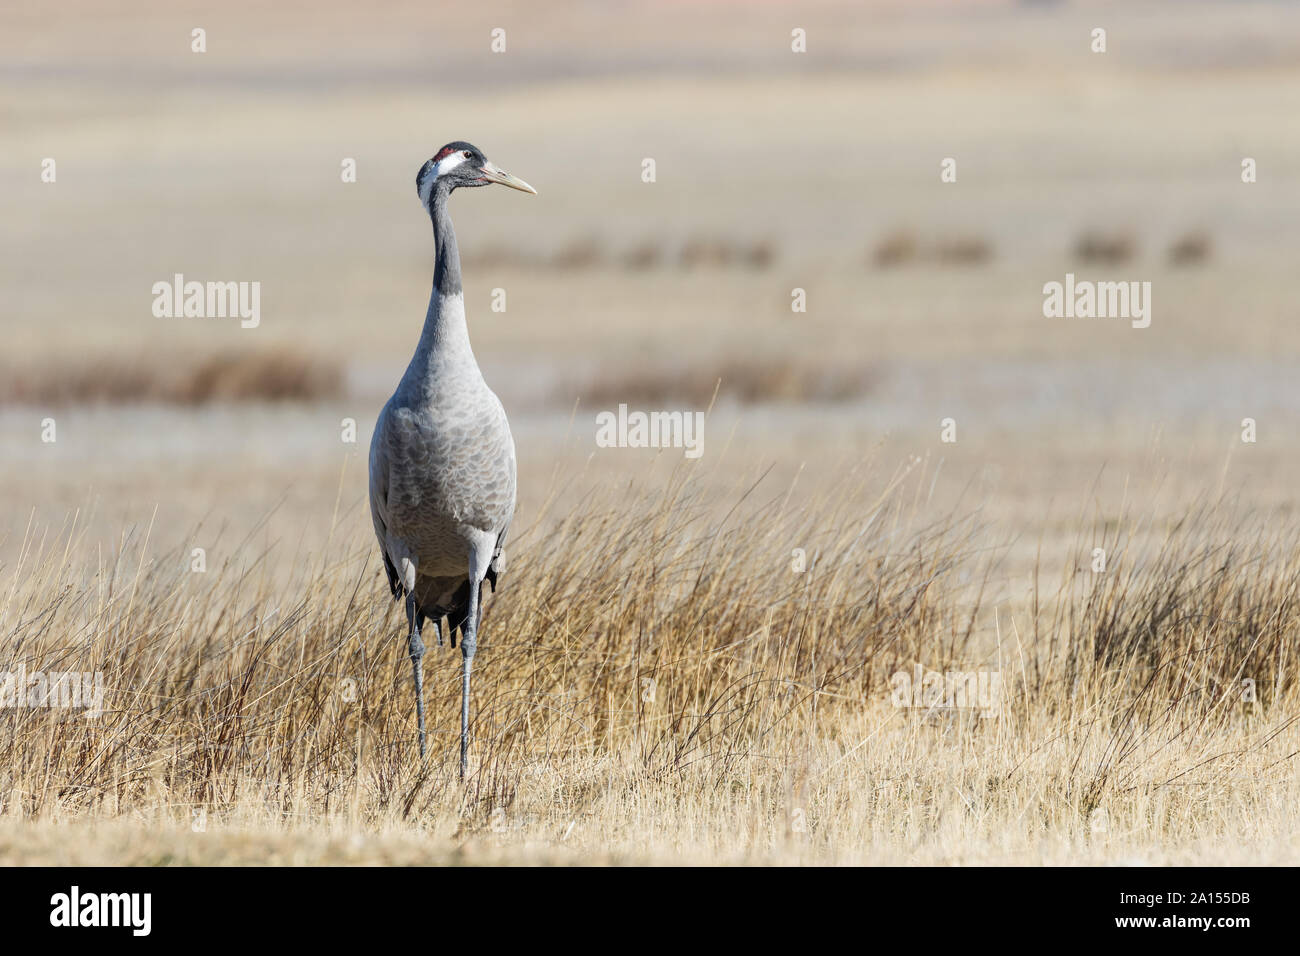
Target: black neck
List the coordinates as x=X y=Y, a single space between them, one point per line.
x=446 y=269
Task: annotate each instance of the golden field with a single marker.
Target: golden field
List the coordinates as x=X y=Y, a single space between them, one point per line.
x=661 y=687
x=688 y=660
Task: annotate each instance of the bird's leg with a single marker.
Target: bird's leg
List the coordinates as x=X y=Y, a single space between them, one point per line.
x=468 y=645
x=417 y=653
x=437 y=629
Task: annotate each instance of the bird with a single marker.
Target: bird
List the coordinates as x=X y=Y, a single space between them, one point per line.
x=442 y=459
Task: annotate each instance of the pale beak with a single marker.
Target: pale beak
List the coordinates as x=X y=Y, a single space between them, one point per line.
x=494 y=175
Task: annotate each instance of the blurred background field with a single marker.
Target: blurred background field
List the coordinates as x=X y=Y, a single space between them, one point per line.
x=775 y=171
x=225 y=165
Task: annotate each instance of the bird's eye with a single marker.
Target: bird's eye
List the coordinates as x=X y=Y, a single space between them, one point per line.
x=468 y=155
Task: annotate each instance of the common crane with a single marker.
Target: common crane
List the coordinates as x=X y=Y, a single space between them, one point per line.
x=442 y=460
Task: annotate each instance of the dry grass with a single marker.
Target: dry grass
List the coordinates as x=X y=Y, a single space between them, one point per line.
x=659 y=684
x=748 y=381
x=277 y=375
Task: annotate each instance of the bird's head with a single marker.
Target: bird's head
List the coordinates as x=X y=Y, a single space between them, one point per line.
x=462 y=164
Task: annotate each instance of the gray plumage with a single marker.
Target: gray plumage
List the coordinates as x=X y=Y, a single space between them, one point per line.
x=442 y=459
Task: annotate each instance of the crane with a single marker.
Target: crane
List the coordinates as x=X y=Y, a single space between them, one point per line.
x=442 y=459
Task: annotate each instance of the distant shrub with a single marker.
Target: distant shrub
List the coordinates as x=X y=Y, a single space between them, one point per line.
x=1105 y=249
x=583 y=253
x=223 y=377
x=1190 y=249
x=963 y=251
x=645 y=255
x=895 y=249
